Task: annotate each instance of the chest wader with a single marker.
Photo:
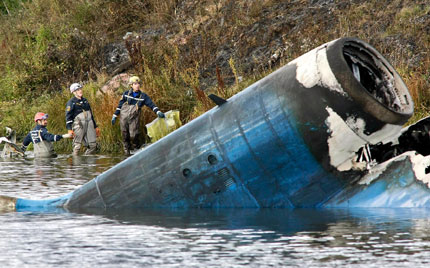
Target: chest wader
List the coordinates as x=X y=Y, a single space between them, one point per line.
x=85 y=133
x=43 y=148
x=130 y=127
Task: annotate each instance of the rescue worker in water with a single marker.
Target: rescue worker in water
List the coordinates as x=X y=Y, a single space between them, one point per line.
x=41 y=138
x=129 y=108
x=80 y=121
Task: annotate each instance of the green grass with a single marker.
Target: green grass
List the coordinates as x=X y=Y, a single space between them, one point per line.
x=53 y=43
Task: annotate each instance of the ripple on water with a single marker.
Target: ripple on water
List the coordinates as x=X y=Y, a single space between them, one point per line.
x=47 y=178
x=195 y=238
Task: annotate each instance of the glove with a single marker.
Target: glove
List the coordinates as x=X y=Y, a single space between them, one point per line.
x=97 y=132
x=4 y=139
x=23 y=148
x=71 y=132
x=160 y=114
x=113 y=119
x=67 y=136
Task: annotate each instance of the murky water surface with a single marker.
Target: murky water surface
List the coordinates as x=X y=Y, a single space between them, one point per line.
x=197 y=237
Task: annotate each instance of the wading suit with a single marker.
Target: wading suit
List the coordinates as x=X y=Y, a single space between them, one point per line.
x=129 y=110
x=42 y=141
x=80 y=119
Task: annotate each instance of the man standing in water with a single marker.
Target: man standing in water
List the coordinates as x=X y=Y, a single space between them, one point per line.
x=80 y=121
x=129 y=108
x=41 y=138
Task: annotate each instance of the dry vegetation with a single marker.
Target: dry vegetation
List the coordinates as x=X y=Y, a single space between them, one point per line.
x=187 y=48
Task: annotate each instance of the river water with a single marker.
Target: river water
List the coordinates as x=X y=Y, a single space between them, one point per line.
x=195 y=237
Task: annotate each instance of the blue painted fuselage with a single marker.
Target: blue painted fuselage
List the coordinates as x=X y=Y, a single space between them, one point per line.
x=271 y=145
x=248 y=152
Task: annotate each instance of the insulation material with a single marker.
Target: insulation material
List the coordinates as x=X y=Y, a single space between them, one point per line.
x=160 y=127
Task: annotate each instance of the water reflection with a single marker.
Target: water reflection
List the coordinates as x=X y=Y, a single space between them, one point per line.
x=50 y=177
x=194 y=237
x=277 y=237
x=279 y=220
x=285 y=221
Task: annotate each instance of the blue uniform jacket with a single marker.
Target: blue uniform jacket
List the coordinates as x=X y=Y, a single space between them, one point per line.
x=139 y=98
x=74 y=107
x=33 y=136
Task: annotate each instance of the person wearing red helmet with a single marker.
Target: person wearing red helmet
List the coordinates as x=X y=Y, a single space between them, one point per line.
x=41 y=138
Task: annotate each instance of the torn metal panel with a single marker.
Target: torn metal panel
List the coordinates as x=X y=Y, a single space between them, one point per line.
x=400 y=182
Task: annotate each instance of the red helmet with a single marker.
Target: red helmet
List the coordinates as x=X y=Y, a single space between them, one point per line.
x=40 y=116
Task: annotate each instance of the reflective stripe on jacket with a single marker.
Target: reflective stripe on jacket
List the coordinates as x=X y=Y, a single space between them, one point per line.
x=74 y=107
x=139 y=100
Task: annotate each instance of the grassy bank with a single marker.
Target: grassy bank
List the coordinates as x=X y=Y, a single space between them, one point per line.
x=166 y=93
x=54 y=43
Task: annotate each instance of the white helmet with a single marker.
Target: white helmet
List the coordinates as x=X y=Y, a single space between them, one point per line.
x=75 y=86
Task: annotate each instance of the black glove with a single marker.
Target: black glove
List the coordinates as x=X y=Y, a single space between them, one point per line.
x=160 y=114
x=23 y=148
x=113 y=120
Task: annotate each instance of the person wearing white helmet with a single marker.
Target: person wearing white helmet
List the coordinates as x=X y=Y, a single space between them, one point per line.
x=41 y=138
x=80 y=121
x=129 y=108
